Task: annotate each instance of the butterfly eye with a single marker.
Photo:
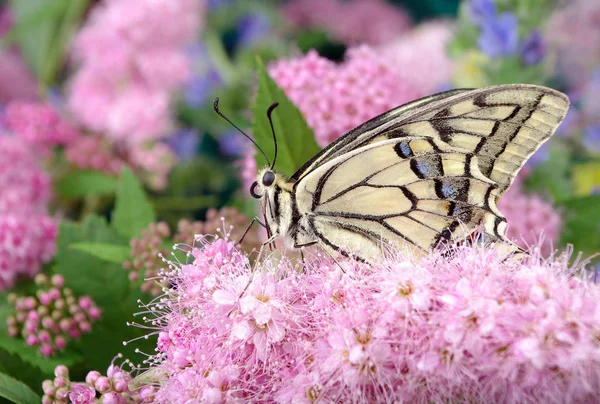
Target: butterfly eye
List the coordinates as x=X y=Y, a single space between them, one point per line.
x=268 y=179
x=253 y=190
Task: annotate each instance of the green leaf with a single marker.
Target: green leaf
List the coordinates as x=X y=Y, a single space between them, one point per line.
x=114 y=253
x=108 y=285
x=582 y=223
x=553 y=176
x=32 y=357
x=133 y=212
x=84 y=183
x=16 y=391
x=43 y=30
x=295 y=140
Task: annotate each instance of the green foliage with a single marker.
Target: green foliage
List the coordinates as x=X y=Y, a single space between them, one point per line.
x=133 y=212
x=295 y=140
x=114 y=253
x=80 y=184
x=107 y=283
x=43 y=30
x=582 y=223
x=553 y=176
x=16 y=391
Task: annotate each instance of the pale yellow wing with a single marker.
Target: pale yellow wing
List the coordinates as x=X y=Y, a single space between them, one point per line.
x=501 y=125
x=410 y=192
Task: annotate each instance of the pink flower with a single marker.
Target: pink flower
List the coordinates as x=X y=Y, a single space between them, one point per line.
x=39 y=124
x=27 y=233
x=131 y=58
x=68 y=319
x=336 y=98
x=82 y=394
x=420 y=56
x=467 y=325
x=352 y=22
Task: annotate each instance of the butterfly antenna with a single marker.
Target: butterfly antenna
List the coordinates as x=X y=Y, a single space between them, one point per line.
x=216 y=106
x=269 y=112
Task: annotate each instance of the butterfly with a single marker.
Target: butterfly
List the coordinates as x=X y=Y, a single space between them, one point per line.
x=424 y=173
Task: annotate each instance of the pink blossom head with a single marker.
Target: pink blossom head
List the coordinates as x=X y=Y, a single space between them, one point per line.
x=351 y=22
x=469 y=323
x=335 y=98
x=420 y=57
x=131 y=59
x=82 y=394
x=39 y=124
x=27 y=233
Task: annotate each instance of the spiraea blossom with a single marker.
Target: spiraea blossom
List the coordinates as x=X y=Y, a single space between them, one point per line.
x=463 y=325
x=352 y=22
x=148 y=250
x=39 y=124
x=335 y=98
x=27 y=232
x=131 y=58
x=114 y=388
x=420 y=57
x=52 y=317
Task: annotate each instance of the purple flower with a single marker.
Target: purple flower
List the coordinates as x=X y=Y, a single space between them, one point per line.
x=233 y=144
x=253 y=28
x=533 y=49
x=198 y=89
x=499 y=36
x=591 y=138
x=184 y=143
x=481 y=11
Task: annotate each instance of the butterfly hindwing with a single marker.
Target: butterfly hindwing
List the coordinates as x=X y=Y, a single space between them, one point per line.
x=411 y=192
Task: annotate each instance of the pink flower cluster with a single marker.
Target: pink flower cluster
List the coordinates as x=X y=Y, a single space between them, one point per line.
x=27 y=233
x=114 y=388
x=335 y=98
x=39 y=124
x=131 y=58
x=532 y=222
x=420 y=57
x=466 y=326
x=52 y=317
x=351 y=22
x=94 y=152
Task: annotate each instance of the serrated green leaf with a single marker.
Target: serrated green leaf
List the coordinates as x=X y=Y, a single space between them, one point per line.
x=84 y=183
x=114 y=253
x=17 y=391
x=33 y=357
x=133 y=212
x=295 y=140
x=108 y=285
x=582 y=223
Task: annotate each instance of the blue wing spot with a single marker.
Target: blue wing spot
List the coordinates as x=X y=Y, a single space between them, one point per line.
x=448 y=190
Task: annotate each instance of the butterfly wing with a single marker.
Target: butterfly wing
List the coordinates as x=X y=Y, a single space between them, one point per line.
x=411 y=192
x=501 y=125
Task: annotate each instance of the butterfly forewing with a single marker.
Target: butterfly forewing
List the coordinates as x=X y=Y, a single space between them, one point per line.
x=502 y=125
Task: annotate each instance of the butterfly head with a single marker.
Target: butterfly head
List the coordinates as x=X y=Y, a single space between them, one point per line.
x=265 y=181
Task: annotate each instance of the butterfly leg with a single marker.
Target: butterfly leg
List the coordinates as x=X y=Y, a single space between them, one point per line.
x=299 y=246
x=257 y=220
x=310 y=243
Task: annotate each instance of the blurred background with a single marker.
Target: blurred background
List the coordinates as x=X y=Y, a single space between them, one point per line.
x=109 y=140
